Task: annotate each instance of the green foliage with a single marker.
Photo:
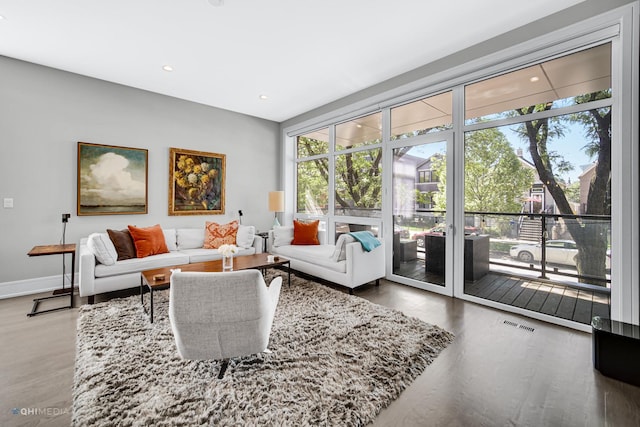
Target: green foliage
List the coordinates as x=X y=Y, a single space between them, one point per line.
x=313 y=185
x=359 y=179
x=495 y=179
x=572 y=192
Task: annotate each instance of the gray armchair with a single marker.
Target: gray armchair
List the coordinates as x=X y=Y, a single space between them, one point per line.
x=217 y=316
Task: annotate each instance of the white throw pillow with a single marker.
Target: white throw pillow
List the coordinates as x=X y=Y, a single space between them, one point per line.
x=282 y=236
x=245 y=235
x=190 y=238
x=102 y=248
x=170 y=238
x=340 y=254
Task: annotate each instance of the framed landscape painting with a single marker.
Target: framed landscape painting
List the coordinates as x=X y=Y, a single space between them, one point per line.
x=111 y=180
x=196 y=182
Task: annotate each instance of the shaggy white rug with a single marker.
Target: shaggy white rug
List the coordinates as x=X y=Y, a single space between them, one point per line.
x=336 y=360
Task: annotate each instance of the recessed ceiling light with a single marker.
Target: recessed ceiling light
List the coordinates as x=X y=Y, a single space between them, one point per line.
x=263 y=97
x=167 y=68
x=216 y=2
x=2 y=17
x=534 y=79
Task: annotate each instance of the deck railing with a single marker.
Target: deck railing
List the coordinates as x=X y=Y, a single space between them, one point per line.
x=506 y=228
x=549 y=223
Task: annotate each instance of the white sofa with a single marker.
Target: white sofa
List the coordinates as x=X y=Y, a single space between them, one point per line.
x=345 y=263
x=185 y=247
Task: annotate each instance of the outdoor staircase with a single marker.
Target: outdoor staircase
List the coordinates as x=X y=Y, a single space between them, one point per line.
x=531 y=229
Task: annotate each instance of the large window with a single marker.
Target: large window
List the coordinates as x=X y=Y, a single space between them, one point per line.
x=358 y=167
x=353 y=160
x=538 y=155
x=427 y=115
x=313 y=173
x=553 y=84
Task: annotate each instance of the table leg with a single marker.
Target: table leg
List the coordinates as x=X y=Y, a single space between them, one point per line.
x=73 y=278
x=151 y=308
x=289 y=272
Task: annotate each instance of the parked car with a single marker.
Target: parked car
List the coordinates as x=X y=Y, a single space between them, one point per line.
x=440 y=230
x=558 y=252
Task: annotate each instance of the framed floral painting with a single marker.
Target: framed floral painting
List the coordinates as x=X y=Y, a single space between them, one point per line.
x=196 y=182
x=111 y=180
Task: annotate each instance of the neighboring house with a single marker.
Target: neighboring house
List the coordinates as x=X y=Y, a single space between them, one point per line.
x=405 y=179
x=537 y=199
x=427 y=181
x=587 y=176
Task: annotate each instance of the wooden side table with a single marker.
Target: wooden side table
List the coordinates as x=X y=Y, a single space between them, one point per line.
x=56 y=250
x=265 y=238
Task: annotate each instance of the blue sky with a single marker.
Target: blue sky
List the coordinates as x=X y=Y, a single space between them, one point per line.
x=570 y=147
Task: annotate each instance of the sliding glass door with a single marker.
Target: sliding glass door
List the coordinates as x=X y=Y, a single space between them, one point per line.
x=421 y=239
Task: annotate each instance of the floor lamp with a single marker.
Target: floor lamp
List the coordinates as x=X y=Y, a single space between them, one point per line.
x=276 y=204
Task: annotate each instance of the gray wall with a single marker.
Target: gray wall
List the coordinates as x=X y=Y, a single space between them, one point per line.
x=44 y=113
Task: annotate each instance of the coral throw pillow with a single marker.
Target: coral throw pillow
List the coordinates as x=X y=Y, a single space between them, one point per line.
x=305 y=233
x=216 y=235
x=148 y=241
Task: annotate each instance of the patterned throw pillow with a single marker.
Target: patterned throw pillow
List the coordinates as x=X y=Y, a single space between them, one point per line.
x=216 y=235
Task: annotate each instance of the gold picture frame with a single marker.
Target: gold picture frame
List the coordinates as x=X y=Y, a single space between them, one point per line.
x=196 y=182
x=111 y=180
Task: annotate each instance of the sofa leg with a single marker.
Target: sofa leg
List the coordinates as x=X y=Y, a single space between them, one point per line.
x=350 y=291
x=377 y=282
x=223 y=368
x=91 y=299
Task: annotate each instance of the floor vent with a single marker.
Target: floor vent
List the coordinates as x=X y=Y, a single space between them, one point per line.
x=519 y=326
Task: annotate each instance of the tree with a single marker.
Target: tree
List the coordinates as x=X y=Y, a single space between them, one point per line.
x=495 y=179
x=358 y=176
x=590 y=236
x=359 y=179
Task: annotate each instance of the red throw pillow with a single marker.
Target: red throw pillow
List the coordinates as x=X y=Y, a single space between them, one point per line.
x=216 y=235
x=305 y=233
x=148 y=241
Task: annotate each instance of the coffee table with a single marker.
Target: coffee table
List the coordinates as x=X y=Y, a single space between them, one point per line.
x=160 y=278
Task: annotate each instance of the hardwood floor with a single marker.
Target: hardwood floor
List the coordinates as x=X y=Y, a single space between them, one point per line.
x=493 y=374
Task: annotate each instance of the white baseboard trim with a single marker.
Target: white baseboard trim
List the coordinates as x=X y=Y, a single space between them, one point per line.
x=32 y=286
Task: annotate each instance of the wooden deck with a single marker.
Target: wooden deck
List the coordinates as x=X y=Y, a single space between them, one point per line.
x=554 y=299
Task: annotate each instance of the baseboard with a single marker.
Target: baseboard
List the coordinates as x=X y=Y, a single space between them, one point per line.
x=32 y=286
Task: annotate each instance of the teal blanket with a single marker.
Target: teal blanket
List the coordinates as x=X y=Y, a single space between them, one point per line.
x=366 y=239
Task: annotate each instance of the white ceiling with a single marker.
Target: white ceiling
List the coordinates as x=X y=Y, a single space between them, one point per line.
x=300 y=53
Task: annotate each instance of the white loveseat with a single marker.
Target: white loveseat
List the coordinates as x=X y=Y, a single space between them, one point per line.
x=345 y=263
x=185 y=247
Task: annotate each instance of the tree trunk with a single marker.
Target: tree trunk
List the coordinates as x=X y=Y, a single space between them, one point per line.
x=590 y=235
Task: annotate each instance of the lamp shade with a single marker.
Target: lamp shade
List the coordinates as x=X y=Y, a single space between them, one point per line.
x=276 y=201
